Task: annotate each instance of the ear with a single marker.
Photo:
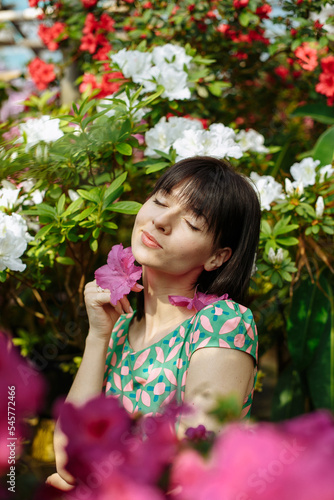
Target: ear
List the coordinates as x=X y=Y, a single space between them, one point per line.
x=218 y=258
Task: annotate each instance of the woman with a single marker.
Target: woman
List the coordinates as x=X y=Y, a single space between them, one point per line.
x=197 y=233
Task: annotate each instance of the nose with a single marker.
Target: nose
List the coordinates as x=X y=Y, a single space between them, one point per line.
x=163 y=223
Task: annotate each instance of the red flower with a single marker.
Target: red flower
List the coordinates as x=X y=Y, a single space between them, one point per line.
x=293 y=32
x=263 y=11
x=106 y=23
x=90 y=24
x=282 y=72
x=147 y=5
x=33 y=3
x=317 y=25
x=307 y=57
x=106 y=86
x=223 y=28
x=239 y=4
x=326 y=79
x=41 y=73
x=49 y=35
x=103 y=53
x=91 y=41
x=89 y=3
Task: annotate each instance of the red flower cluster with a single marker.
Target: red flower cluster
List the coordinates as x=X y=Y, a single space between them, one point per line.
x=239 y=4
x=263 y=11
x=307 y=56
x=326 y=79
x=94 y=40
x=239 y=37
x=41 y=73
x=89 y=3
x=33 y=3
x=106 y=86
x=49 y=35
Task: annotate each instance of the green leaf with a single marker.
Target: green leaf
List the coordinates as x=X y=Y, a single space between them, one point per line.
x=282 y=229
x=86 y=213
x=66 y=261
x=73 y=207
x=287 y=241
x=115 y=184
x=266 y=228
x=43 y=231
x=216 y=88
x=3 y=276
x=324 y=148
x=61 y=204
x=317 y=111
x=92 y=195
x=156 y=167
x=124 y=148
x=125 y=207
x=93 y=245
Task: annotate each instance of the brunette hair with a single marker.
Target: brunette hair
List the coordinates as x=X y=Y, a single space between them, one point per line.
x=230 y=205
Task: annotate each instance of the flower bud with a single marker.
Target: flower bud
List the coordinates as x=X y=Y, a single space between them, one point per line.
x=319 y=207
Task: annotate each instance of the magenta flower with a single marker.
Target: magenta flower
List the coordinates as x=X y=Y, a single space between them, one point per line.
x=199 y=300
x=262 y=461
x=21 y=395
x=95 y=431
x=119 y=275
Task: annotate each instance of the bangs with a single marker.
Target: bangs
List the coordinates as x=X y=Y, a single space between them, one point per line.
x=200 y=190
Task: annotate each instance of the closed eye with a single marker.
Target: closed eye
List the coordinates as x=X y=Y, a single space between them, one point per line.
x=157 y=202
x=194 y=228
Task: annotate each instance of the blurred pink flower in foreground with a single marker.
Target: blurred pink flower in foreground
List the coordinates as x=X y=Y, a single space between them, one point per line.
x=27 y=394
x=199 y=300
x=120 y=274
x=109 y=450
x=263 y=461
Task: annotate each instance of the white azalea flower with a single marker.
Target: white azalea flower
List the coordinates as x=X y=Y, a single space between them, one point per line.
x=14 y=237
x=250 y=140
x=9 y=195
x=174 y=82
x=304 y=171
x=218 y=142
x=73 y=195
x=319 y=207
x=36 y=196
x=326 y=172
x=137 y=114
x=40 y=129
x=289 y=189
x=174 y=55
x=275 y=258
x=133 y=63
x=327 y=11
x=268 y=189
x=163 y=135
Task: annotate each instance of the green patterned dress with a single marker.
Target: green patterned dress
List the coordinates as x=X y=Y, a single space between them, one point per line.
x=148 y=379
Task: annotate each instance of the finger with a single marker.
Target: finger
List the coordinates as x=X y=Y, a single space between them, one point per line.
x=137 y=287
x=126 y=305
x=118 y=308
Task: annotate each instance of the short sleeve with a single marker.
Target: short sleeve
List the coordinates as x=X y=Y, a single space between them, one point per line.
x=225 y=324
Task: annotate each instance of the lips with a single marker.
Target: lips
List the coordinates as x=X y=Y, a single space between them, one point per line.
x=149 y=240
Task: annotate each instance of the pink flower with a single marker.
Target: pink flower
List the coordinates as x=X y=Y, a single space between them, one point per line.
x=95 y=430
x=257 y=462
x=307 y=57
x=119 y=275
x=21 y=393
x=199 y=300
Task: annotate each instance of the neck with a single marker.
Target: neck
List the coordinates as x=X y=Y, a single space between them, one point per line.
x=160 y=315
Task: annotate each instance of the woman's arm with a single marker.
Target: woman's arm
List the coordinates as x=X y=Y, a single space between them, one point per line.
x=89 y=378
x=214 y=372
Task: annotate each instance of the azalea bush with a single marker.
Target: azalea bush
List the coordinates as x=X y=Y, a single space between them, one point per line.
x=156 y=82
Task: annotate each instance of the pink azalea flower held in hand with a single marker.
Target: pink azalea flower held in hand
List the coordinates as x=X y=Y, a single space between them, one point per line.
x=120 y=274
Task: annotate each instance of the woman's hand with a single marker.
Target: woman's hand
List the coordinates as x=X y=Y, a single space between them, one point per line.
x=57 y=481
x=102 y=314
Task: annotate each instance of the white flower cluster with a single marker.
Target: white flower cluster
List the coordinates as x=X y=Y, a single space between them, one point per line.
x=268 y=189
x=13 y=196
x=250 y=140
x=35 y=130
x=14 y=238
x=165 y=66
x=303 y=173
x=189 y=138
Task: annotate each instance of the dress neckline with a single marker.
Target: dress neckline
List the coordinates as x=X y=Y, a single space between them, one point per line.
x=177 y=328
